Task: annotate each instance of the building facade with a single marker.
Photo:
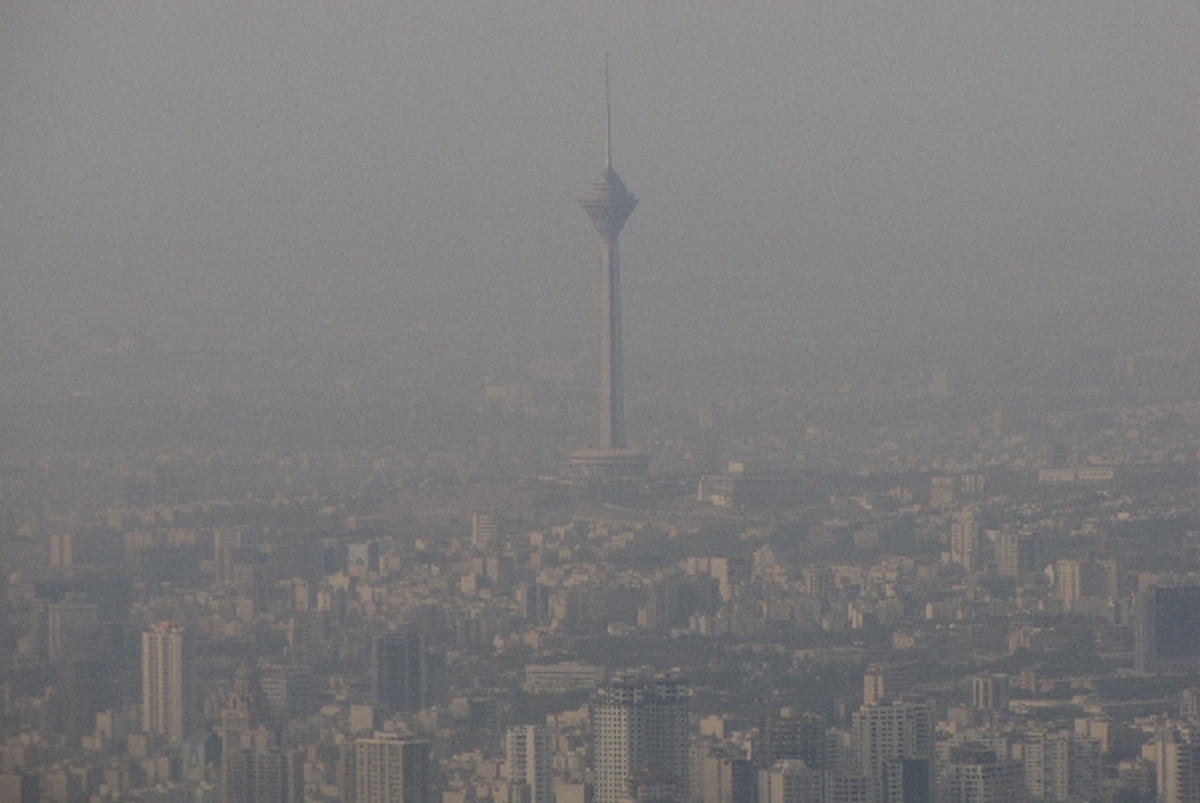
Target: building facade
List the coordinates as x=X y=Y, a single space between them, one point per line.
x=976 y=775
x=392 y=768
x=640 y=738
x=880 y=733
x=167 y=688
x=398 y=671
x=528 y=764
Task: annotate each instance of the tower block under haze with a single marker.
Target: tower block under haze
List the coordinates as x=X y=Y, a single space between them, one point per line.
x=640 y=739
x=167 y=693
x=608 y=205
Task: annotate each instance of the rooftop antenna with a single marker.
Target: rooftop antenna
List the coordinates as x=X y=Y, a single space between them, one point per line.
x=607 y=119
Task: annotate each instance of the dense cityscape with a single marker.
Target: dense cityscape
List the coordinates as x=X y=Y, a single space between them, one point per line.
x=876 y=588
x=893 y=494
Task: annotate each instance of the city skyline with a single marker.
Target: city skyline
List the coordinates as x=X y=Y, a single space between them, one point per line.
x=885 y=487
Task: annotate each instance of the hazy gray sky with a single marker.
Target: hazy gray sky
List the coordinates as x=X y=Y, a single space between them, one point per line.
x=876 y=174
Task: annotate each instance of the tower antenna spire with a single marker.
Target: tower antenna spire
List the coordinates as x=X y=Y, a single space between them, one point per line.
x=607 y=119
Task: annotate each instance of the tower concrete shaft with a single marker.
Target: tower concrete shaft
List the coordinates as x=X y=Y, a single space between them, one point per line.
x=608 y=204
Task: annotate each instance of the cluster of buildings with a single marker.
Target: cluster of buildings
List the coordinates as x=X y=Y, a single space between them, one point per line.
x=176 y=661
x=939 y=608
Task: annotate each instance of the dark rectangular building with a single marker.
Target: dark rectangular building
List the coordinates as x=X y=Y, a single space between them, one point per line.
x=398 y=671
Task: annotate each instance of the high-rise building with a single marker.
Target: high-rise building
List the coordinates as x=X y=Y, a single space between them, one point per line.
x=1177 y=764
x=485 y=528
x=725 y=776
x=533 y=600
x=883 y=683
x=1068 y=582
x=975 y=775
x=820 y=582
x=167 y=689
x=1075 y=580
x=1062 y=766
x=843 y=787
x=263 y=775
x=883 y=732
x=1189 y=704
x=1166 y=629
x=391 y=768
x=965 y=547
x=62 y=550
x=81 y=689
x=79 y=663
x=398 y=671
x=20 y=787
x=875 y=689
x=941 y=492
x=289 y=690
x=790 y=780
x=255 y=768
x=661 y=607
x=989 y=692
x=68 y=624
x=907 y=780
x=1018 y=554
x=640 y=738
x=608 y=205
x=528 y=764
x=794 y=736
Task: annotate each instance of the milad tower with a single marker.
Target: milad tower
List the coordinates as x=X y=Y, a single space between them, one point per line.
x=608 y=205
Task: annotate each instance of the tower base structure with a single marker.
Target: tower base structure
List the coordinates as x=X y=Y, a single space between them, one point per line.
x=611 y=464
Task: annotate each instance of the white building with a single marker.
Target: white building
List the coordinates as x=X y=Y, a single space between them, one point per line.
x=167 y=688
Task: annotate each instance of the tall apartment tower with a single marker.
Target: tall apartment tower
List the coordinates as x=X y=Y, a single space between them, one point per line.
x=1076 y=579
x=79 y=664
x=1178 y=763
x=1018 y=554
x=390 y=768
x=883 y=683
x=791 y=780
x=1063 y=766
x=69 y=625
x=794 y=736
x=527 y=755
x=256 y=770
x=908 y=780
x=167 y=688
x=881 y=733
x=965 y=547
x=640 y=738
x=975 y=774
x=255 y=767
x=398 y=672
x=727 y=779
x=941 y=492
x=989 y=692
x=608 y=205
